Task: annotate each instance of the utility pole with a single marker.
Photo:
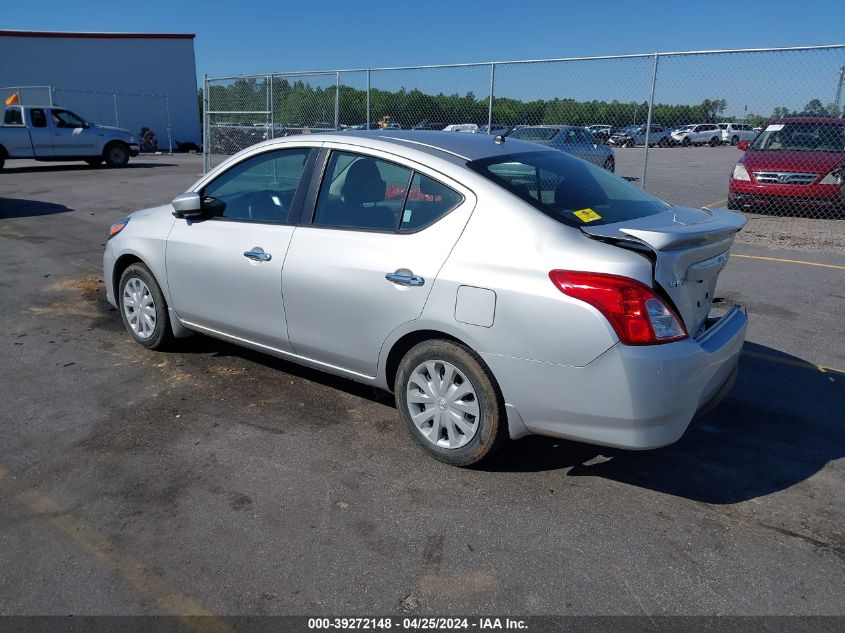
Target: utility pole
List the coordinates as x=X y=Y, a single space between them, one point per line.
x=839 y=86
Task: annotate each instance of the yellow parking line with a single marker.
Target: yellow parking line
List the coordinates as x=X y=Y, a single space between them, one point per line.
x=133 y=572
x=792 y=362
x=789 y=261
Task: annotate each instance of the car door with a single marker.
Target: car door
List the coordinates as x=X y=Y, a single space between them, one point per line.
x=71 y=136
x=39 y=132
x=366 y=263
x=224 y=269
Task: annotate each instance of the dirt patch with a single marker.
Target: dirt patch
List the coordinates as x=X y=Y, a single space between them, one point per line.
x=12 y=233
x=91 y=287
x=84 y=298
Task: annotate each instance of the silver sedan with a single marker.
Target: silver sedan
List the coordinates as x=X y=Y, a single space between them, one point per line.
x=578 y=141
x=497 y=288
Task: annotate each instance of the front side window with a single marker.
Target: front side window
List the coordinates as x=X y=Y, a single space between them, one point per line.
x=535 y=133
x=569 y=190
x=361 y=192
x=258 y=189
x=38 y=118
x=66 y=118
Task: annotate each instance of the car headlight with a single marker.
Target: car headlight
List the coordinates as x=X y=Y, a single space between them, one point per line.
x=740 y=173
x=835 y=177
x=117 y=227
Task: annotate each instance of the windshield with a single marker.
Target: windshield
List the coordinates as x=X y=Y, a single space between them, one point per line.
x=535 y=133
x=801 y=137
x=568 y=189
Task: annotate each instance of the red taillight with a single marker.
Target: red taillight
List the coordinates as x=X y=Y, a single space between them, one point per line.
x=638 y=315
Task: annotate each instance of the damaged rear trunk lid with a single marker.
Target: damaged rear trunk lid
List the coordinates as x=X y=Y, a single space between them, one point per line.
x=691 y=248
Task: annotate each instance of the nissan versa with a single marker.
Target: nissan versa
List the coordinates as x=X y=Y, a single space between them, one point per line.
x=496 y=287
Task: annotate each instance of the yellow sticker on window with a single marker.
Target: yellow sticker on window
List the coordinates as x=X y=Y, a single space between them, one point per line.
x=587 y=215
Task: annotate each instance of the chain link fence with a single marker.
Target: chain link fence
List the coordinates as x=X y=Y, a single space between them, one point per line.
x=759 y=131
x=141 y=114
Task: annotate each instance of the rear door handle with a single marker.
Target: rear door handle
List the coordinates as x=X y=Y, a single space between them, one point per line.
x=257 y=254
x=402 y=279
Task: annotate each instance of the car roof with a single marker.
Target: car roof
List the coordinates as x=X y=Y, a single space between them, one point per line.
x=449 y=145
x=808 y=119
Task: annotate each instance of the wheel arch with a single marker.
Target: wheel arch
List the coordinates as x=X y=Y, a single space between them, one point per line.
x=406 y=342
x=121 y=264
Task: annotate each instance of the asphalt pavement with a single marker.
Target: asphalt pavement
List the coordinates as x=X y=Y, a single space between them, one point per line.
x=218 y=480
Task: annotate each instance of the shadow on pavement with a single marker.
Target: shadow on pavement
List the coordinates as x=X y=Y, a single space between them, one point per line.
x=780 y=425
x=48 y=168
x=20 y=208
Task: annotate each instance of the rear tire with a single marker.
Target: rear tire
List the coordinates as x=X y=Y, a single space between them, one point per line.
x=714 y=142
x=116 y=154
x=442 y=383
x=734 y=140
x=630 y=143
x=664 y=142
x=610 y=164
x=143 y=308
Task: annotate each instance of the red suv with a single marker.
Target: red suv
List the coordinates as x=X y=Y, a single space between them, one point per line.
x=795 y=163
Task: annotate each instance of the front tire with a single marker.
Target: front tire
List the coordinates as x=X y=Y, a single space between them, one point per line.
x=610 y=164
x=734 y=140
x=143 y=308
x=116 y=154
x=450 y=403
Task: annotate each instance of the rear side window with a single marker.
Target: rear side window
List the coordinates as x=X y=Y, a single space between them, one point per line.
x=428 y=201
x=569 y=190
x=362 y=192
x=13 y=116
x=38 y=118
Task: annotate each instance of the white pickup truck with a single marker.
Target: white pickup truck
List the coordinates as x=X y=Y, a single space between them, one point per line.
x=48 y=133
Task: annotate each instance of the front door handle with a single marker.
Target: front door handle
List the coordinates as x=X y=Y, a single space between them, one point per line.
x=405 y=279
x=257 y=254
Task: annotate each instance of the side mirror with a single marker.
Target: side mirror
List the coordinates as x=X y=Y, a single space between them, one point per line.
x=187 y=205
x=742 y=145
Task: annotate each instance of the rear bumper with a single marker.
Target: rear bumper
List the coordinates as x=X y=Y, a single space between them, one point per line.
x=635 y=397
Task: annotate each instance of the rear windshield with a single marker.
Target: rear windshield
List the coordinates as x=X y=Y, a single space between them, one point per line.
x=568 y=189
x=535 y=133
x=802 y=137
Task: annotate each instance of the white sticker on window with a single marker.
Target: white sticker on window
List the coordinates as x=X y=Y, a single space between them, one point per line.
x=775 y=128
x=406 y=217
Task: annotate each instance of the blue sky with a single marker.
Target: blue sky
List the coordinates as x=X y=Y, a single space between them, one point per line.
x=258 y=36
